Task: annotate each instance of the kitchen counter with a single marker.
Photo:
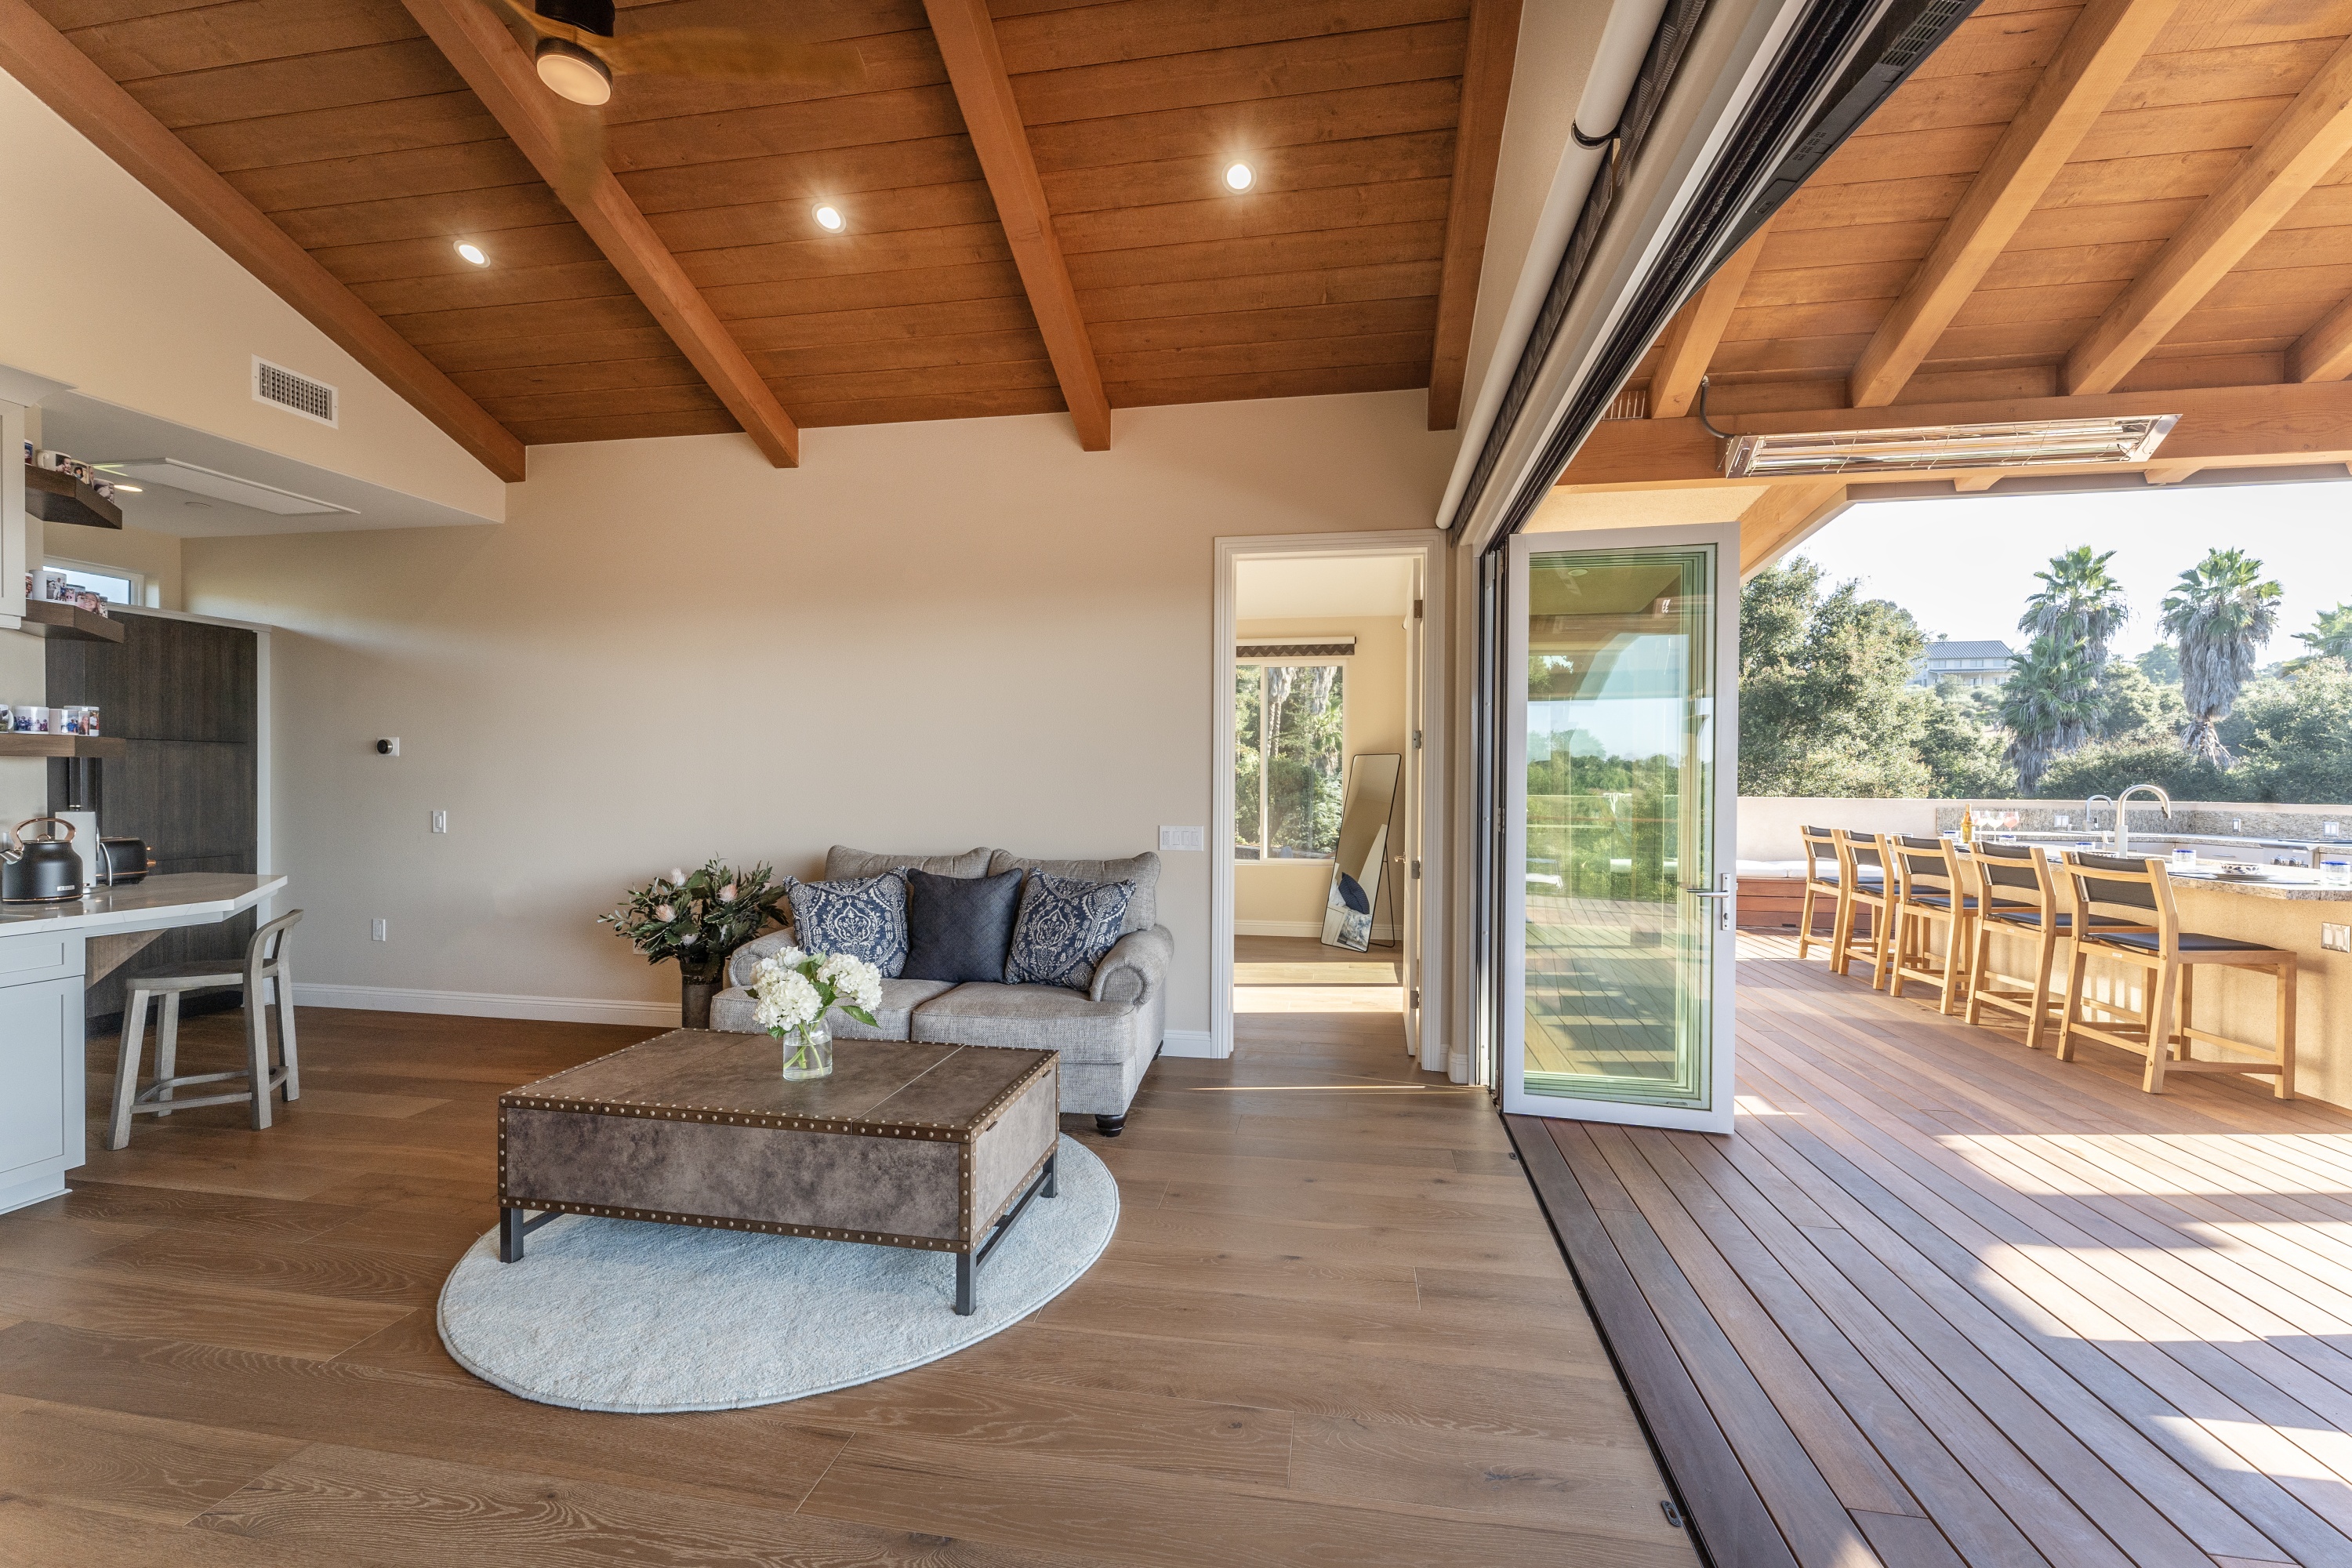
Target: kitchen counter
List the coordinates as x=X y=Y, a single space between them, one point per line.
x=157 y=903
x=48 y=956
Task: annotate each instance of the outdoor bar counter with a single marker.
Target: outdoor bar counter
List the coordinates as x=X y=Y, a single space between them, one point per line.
x=49 y=954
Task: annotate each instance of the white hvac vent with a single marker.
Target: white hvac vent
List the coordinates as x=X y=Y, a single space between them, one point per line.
x=274 y=383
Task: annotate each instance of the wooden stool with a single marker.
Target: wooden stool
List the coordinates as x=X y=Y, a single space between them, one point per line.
x=265 y=963
x=1820 y=845
x=2135 y=895
x=1930 y=889
x=2016 y=895
x=1862 y=885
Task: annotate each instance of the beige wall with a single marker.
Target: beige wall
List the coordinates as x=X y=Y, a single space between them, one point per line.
x=123 y=300
x=131 y=549
x=1293 y=893
x=929 y=636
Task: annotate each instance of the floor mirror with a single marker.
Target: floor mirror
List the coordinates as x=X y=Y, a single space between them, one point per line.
x=1363 y=850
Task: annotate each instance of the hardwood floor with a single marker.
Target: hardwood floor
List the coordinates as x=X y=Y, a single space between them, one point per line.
x=1942 y=1300
x=1332 y=1330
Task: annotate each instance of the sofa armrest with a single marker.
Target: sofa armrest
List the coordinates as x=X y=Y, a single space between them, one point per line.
x=1134 y=967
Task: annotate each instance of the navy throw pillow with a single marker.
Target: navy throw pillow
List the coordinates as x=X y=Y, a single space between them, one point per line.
x=864 y=917
x=959 y=927
x=1064 y=929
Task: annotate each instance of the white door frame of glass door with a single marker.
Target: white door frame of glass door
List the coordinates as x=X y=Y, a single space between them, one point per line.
x=1421 y=948
x=1717 y=1115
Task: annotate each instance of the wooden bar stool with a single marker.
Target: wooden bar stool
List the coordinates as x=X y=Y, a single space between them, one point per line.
x=265 y=963
x=2135 y=895
x=1862 y=885
x=1931 y=890
x=1820 y=845
x=2016 y=895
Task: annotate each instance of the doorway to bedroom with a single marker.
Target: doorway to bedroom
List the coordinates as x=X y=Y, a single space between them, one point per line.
x=1325 y=700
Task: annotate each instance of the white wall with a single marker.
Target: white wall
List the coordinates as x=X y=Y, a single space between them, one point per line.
x=119 y=298
x=1769 y=824
x=1280 y=898
x=928 y=637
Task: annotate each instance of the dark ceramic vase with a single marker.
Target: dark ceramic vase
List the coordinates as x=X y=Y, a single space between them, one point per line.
x=698 y=981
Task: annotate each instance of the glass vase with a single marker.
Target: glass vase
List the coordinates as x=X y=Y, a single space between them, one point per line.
x=808 y=1052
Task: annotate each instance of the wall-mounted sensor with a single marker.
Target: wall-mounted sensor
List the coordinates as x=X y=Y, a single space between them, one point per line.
x=388 y=747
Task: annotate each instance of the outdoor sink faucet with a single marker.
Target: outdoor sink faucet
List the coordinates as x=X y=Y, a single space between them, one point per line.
x=2123 y=824
x=2090 y=820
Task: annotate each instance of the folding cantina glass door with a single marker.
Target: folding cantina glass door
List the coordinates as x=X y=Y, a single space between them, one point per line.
x=1619 y=820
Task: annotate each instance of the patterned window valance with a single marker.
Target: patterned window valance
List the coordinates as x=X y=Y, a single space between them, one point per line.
x=1297 y=648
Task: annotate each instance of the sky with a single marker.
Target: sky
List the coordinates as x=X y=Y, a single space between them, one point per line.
x=1964 y=568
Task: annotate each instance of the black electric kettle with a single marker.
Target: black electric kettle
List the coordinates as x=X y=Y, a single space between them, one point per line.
x=39 y=871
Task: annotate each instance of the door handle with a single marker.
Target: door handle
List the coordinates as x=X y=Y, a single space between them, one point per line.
x=1722 y=897
x=1706 y=893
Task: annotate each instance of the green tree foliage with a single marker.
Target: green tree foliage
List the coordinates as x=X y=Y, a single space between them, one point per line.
x=1823 y=708
x=2331 y=638
x=2049 y=700
x=1961 y=743
x=2132 y=705
x=2161 y=664
x=2294 y=737
x=2220 y=615
x=2076 y=612
x=2111 y=767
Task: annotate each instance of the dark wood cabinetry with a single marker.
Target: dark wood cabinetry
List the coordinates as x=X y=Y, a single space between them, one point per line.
x=182 y=698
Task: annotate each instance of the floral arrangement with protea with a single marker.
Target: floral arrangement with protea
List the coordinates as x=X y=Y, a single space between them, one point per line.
x=698 y=917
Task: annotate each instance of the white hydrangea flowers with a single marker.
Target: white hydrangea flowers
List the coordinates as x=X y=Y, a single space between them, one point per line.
x=791 y=989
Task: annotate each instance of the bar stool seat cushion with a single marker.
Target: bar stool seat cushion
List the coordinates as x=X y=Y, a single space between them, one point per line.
x=1871 y=875
x=1941 y=902
x=2065 y=922
x=2191 y=941
x=199 y=970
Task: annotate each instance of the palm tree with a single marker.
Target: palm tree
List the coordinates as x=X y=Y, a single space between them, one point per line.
x=2220 y=616
x=2331 y=638
x=2079 y=608
x=2049 y=695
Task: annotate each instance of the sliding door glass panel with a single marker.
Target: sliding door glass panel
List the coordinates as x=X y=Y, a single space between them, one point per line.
x=1249 y=794
x=1620 y=961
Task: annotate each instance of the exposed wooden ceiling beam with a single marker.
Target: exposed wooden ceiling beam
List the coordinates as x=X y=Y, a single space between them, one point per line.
x=2305 y=142
x=1690 y=339
x=2107 y=39
x=1470 y=203
x=1784 y=517
x=87 y=99
x=500 y=71
x=2222 y=427
x=2325 y=352
x=966 y=41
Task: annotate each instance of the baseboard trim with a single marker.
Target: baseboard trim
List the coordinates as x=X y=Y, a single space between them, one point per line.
x=485 y=1004
x=1188 y=1042
x=1300 y=928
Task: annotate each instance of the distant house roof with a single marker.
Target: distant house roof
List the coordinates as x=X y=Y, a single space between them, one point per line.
x=1940 y=650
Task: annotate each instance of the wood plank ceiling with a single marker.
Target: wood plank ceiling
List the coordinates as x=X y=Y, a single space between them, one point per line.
x=2204 y=85
x=352 y=131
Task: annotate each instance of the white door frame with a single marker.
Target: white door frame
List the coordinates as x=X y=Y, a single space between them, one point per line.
x=1425 y=962
x=1718 y=1115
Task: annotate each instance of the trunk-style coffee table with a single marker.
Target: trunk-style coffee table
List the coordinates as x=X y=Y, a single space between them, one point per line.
x=907 y=1144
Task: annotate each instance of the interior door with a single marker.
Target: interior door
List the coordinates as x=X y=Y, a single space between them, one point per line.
x=1407 y=866
x=1620 y=797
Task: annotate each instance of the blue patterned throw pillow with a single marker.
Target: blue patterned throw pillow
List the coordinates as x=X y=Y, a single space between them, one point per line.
x=864 y=917
x=1064 y=929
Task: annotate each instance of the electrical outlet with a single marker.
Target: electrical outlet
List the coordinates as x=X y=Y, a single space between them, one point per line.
x=440 y=822
x=1183 y=838
x=2332 y=829
x=2334 y=938
x=2064 y=820
x=2236 y=824
x=377 y=932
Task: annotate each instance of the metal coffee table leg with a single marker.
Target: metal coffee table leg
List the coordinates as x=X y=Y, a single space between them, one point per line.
x=513 y=1227
x=968 y=1263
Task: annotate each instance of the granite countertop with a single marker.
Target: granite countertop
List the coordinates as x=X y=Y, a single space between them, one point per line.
x=2277 y=882
x=187 y=898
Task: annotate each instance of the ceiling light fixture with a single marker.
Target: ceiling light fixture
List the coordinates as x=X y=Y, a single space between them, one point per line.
x=1240 y=176
x=828 y=217
x=119 y=488
x=472 y=253
x=2019 y=444
x=571 y=71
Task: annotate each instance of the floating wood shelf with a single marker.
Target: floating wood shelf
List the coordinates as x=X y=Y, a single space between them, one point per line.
x=61 y=498
x=46 y=618
x=16 y=745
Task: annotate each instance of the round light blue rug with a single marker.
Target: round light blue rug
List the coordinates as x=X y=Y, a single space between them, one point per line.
x=625 y=1315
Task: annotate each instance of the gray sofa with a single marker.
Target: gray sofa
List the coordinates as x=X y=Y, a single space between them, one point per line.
x=1107 y=1036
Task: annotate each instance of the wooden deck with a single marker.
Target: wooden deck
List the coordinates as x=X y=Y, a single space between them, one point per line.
x=1942 y=1300
x=1331 y=1330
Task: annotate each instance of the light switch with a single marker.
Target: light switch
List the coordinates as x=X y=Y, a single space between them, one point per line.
x=376 y=931
x=1184 y=839
x=440 y=822
x=2333 y=938
x=2064 y=820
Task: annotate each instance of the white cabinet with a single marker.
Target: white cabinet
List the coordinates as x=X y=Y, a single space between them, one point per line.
x=40 y=1065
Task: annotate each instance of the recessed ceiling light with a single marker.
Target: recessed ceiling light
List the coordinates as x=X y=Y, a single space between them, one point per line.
x=472 y=253
x=1240 y=176
x=121 y=489
x=571 y=71
x=828 y=217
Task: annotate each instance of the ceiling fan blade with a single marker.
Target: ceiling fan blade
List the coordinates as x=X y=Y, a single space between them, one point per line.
x=722 y=54
x=545 y=28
